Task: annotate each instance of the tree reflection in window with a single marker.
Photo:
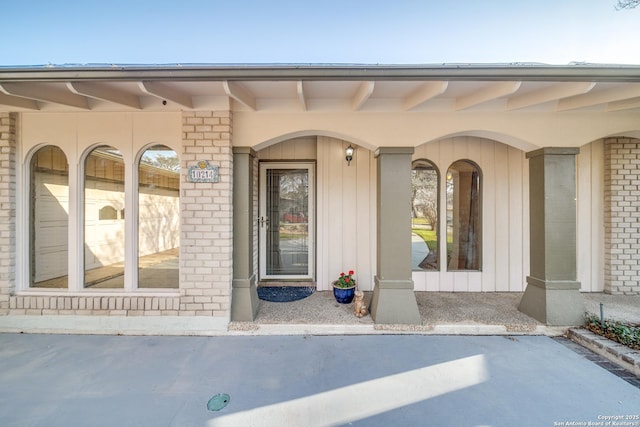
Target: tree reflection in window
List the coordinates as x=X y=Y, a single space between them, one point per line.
x=424 y=215
x=464 y=226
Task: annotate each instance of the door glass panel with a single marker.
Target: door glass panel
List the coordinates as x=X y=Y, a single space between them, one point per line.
x=287 y=208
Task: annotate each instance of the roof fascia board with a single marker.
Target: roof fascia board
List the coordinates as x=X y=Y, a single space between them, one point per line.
x=600 y=73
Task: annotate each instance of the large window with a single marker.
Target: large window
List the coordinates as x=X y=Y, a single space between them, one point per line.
x=49 y=218
x=464 y=227
x=424 y=216
x=159 y=218
x=103 y=231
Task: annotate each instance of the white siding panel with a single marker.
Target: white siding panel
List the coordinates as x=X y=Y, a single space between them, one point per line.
x=502 y=185
x=322 y=252
x=293 y=149
x=590 y=226
x=432 y=280
x=460 y=281
x=419 y=281
x=517 y=225
x=346 y=214
x=363 y=162
x=597 y=216
x=475 y=281
x=490 y=188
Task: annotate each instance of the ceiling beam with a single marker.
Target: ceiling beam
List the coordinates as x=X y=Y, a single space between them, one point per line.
x=486 y=94
x=627 y=104
x=301 y=97
x=240 y=94
x=424 y=93
x=45 y=93
x=362 y=95
x=15 y=101
x=550 y=93
x=165 y=92
x=605 y=96
x=104 y=93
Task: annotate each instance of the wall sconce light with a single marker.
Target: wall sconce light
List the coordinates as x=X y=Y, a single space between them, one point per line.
x=349 y=154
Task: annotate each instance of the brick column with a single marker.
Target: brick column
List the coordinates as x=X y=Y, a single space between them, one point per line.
x=206 y=246
x=622 y=216
x=8 y=138
x=553 y=295
x=393 y=298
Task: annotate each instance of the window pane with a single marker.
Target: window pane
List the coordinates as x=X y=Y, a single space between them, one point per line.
x=464 y=229
x=424 y=216
x=159 y=218
x=103 y=229
x=49 y=217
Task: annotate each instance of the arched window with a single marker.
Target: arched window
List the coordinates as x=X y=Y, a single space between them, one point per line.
x=103 y=240
x=158 y=218
x=464 y=225
x=49 y=218
x=424 y=215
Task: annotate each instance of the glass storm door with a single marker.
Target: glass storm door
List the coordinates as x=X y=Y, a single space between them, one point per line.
x=286 y=220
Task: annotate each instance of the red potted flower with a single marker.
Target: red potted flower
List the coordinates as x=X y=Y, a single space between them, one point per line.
x=344 y=288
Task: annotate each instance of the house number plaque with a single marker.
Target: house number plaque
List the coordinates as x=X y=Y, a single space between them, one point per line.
x=203 y=172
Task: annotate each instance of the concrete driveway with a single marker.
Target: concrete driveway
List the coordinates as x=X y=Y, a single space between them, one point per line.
x=373 y=380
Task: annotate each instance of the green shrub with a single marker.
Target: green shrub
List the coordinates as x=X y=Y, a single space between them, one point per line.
x=625 y=333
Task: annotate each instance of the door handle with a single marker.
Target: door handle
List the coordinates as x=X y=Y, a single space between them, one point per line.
x=264 y=220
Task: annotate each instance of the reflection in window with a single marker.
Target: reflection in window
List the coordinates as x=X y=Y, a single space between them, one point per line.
x=159 y=218
x=424 y=216
x=48 y=218
x=103 y=240
x=108 y=212
x=464 y=228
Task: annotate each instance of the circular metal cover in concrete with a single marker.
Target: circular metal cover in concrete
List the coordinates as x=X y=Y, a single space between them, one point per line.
x=218 y=402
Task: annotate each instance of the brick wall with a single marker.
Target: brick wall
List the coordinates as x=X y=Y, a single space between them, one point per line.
x=95 y=305
x=622 y=215
x=8 y=130
x=206 y=250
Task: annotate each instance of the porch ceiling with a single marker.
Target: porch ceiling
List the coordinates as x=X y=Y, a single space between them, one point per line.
x=446 y=88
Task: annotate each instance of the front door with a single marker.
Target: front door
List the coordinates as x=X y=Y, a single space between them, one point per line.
x=286 y=221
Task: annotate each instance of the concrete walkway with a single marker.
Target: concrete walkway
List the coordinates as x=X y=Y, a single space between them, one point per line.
x=388 y=380
x=467 y=313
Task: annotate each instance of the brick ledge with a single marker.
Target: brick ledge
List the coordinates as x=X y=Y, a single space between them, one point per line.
x=619 y=354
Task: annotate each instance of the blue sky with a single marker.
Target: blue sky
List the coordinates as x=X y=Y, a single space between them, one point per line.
x=36 y=32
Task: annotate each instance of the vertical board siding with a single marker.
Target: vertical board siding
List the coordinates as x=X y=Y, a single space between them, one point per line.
x=346 y=213
x=590 y=224
x=491 y=241
x=518 y=193
x=303 y=148
x=504 y=216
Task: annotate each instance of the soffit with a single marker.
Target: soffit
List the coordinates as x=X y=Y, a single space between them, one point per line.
x=350 y=89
